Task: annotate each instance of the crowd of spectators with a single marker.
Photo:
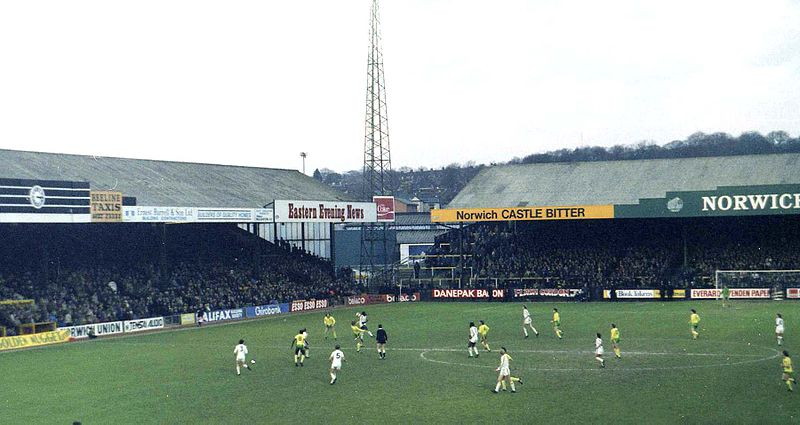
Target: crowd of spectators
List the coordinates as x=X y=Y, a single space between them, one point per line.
x=225 y=268
x=616 y=254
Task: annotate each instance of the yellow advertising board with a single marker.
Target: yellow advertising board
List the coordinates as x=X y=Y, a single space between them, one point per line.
x=576 y=212
x=106 y=206
x=15 y=302
x=187 y=319
x=33 y=340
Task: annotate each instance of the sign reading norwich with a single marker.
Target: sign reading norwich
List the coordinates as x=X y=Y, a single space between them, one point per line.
x=580 y=212
x=724 y=201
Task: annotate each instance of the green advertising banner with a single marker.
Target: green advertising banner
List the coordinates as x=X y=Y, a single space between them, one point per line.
x=724 y=201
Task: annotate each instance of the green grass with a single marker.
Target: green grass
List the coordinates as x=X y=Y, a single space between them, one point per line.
x=730 y=375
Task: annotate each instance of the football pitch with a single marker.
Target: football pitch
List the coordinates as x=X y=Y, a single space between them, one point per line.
x=731 y=374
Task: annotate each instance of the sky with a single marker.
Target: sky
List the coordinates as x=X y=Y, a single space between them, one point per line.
x=256 y=82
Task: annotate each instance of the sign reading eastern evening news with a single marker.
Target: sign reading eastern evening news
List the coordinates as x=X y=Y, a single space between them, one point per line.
x=325 y=212
x=577 y=212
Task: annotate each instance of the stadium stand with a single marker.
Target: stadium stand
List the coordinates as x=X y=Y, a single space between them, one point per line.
x=621 y=252
x=87 y=277
x=97 y=272
x=636 y=253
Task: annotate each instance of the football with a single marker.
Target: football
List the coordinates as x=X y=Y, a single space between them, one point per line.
x=253 y=361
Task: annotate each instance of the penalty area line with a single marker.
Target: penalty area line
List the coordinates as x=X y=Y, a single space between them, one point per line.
x=631 y=369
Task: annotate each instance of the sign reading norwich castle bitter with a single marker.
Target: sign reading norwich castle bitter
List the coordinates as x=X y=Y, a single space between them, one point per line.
x=723 y=201
x=523 y=213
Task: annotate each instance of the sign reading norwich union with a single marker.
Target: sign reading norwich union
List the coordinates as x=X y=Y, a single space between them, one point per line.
x=724 y=201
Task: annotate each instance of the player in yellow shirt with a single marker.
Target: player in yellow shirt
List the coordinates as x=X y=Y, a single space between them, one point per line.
x=694 y=320
x=483 y=331
x=299 y=344
x=615 y=340
x=787 y=370
x=557 y=323
x=358 y=335
x=330 y=325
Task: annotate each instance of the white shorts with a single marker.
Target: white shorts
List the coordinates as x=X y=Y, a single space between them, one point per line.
x=473 y=340
x=527 y=320
x=336 y=366
x=778 y=329
x=505 y=371
x=240 y=359
x=598 y=351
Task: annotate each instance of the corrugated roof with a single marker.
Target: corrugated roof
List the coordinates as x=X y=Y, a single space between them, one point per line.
x=412 y=219
x=166 y=183
x=418 y=236
x=620 y=182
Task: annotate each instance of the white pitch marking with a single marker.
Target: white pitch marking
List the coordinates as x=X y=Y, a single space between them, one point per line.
x=760 y=359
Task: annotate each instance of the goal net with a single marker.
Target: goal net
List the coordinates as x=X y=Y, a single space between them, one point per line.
x=772 y=279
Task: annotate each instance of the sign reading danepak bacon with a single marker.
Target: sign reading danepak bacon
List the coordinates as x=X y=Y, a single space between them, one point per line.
x=325 y=212
x=469 y=293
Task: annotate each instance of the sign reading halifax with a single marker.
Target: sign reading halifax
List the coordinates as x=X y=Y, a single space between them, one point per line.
x=220 y=315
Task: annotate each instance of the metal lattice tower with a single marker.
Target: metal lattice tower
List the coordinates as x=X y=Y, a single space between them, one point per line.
x=377 y=157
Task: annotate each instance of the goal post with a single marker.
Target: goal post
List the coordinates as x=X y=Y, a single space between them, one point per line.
x=772 y=279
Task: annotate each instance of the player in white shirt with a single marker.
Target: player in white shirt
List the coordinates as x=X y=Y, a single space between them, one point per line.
x=473 y=339
x=361 y=319
x=505 y=371
x=779 y=328
x=337 y=357
x=598 y=350
x=241 y=357
x=527 y=322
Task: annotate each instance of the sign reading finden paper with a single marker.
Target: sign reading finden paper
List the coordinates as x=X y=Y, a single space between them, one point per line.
x=713 y=293
x=579 y=212
x=106 y=206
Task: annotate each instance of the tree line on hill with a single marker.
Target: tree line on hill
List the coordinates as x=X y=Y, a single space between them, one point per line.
x=444 y=183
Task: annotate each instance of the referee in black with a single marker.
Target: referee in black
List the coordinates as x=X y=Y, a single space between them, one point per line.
x=381 y=338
